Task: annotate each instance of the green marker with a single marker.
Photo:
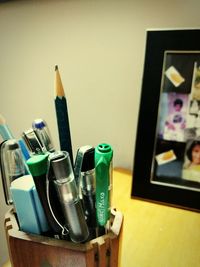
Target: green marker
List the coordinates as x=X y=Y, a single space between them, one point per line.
x=103 y=171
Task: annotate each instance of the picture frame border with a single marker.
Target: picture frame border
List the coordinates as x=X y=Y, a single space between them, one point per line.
x=157 y=42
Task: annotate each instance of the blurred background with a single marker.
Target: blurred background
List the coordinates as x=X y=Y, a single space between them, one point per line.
x=99 y=46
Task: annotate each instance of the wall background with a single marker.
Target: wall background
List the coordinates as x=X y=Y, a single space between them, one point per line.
x=99 y=47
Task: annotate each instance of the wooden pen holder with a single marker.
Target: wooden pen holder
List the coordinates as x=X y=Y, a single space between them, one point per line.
x=30 y=250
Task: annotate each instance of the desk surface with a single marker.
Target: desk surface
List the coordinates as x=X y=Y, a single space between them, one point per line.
x=154 y=235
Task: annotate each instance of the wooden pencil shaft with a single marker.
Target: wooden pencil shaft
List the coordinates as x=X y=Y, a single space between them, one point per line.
x=63 y=126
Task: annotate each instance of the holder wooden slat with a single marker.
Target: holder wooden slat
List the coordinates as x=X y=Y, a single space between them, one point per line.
x=29 y=250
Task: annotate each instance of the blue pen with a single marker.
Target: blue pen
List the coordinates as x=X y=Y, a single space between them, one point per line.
x=40 y=127
x=24 y=149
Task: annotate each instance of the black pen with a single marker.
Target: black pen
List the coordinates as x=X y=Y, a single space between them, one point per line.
x=38 y=166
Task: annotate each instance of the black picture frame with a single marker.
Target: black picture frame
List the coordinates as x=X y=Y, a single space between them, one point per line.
x=158 y=42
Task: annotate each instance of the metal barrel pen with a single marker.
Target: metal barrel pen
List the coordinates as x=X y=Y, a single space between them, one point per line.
x=85 y=172
x=67 y=191
x=103 y=171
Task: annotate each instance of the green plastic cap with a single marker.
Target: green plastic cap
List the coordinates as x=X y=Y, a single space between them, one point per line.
x=38 y=164
x=104 y=152
x=103 y=159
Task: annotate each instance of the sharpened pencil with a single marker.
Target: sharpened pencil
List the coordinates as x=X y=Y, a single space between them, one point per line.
x=62 y=116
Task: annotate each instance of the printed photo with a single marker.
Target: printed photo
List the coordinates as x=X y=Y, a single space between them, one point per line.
x=177 y=147
x=173 y=111
x=191 y=168
x=192 y=130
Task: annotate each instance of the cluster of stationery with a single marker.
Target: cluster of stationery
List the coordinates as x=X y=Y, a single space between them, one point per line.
x=52 y=195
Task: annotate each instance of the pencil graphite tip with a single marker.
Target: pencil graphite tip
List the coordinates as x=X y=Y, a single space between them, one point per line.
x=56 y=67
x=2 y=120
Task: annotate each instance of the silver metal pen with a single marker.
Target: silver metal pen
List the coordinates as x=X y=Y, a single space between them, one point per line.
x=85 y=172
x=68 y=195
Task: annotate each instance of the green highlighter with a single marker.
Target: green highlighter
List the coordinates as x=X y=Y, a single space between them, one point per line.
x=103 y=172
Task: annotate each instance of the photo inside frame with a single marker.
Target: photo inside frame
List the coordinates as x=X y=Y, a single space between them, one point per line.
x=176 y=160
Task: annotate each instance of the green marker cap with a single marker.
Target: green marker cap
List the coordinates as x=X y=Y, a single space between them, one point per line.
x=103 y=159
x=38 y=164
x=104 y=150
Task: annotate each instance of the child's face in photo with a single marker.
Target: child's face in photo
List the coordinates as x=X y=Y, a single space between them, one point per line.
x=177 y=107
x=196 y=154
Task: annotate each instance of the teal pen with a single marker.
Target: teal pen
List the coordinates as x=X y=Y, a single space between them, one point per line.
x=103 y=172
x=4 y=130
x=6 y=134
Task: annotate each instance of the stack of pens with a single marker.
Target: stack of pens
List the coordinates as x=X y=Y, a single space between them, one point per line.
x=63 y=199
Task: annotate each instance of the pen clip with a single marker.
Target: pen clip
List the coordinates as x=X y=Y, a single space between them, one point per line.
x=50 y=177
x=40 y=128
x=33 y=142
x=3 y=176
x=79 y=162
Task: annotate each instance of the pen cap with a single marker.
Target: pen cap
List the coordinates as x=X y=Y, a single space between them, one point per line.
x=64 y=176
x=61 y=164
x=14 y=158
x=41 y=128
x=12 y=166
x=38 y=164
x=84 y=162
x=79 y=162
x=103 y=171
x=88 y=160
